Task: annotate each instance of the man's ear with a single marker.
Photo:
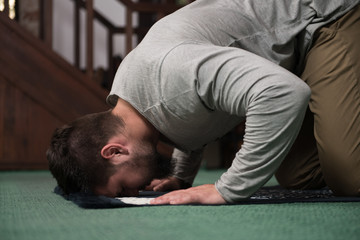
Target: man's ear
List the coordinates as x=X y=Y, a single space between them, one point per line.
x=112 y=151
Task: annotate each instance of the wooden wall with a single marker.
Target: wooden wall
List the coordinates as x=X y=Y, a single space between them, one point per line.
x=39 y=91
x=25 y=129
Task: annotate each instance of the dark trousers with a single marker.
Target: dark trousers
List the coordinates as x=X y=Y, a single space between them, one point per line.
x=327 y=150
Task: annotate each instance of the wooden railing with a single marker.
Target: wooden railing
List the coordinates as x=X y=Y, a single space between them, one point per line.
x=158 y=8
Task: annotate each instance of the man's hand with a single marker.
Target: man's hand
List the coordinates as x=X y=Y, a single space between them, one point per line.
x=204 y=194
x=166 y=184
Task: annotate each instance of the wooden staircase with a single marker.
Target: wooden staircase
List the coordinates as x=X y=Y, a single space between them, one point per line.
x=39 y=91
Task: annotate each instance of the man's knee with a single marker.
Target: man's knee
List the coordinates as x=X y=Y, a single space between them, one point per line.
x=342 y=175
x=345 y=187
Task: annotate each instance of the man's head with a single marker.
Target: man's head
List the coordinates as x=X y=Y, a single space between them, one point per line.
x=83 y=157
x=74 y=153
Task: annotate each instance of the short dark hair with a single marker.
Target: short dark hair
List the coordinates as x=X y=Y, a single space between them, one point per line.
x=74 y=153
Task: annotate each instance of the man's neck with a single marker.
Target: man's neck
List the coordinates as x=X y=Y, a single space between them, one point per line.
x=136 y=125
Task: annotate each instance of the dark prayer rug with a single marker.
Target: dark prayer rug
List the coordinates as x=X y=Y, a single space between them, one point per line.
x=265 y=195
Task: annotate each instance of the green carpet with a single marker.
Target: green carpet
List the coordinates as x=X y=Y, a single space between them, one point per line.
x=29 y=210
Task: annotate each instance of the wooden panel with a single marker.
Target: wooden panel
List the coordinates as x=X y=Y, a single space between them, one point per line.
x=45 y=80
x=2 y=117
x=25 y=130
x=39 y=91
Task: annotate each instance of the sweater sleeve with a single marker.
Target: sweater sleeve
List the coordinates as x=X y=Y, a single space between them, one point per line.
x=273 y=101
x=187 y=165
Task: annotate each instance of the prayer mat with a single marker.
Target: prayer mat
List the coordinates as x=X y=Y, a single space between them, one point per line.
x=265 y=195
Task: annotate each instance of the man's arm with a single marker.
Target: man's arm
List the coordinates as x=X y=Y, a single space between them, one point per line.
x=273 y=101
x=186 y=167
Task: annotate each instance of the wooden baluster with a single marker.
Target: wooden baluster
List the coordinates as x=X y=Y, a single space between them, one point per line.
x=110 y=54
x=77 y=34
x=89 y=37
x=46 y=21
x=6 y=7
x=129 y=29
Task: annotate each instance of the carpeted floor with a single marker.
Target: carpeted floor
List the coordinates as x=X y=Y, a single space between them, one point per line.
x=30 y=210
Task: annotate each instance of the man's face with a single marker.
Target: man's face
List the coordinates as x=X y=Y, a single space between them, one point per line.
x=135 y=174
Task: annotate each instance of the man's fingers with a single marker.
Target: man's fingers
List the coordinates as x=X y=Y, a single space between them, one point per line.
x=153 y=184
x=164 y=186
x=205 y=194
x=176 y=197
x=160 y=188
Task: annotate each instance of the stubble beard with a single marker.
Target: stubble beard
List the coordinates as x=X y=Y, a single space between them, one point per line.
x=152 y=164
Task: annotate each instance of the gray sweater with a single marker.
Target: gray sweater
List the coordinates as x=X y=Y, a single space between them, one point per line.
x=205 y=68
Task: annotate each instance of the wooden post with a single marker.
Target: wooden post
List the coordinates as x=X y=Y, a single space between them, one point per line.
x=129 y=30
x=110 y=52
x=6 y=7
x=77 y=34
x=160 y=15
x=89 y=37
x=46 y=21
